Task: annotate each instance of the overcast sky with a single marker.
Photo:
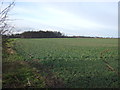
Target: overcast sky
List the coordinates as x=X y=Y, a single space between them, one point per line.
x=71 y=18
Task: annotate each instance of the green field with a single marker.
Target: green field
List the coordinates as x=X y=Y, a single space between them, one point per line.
x=75 y=62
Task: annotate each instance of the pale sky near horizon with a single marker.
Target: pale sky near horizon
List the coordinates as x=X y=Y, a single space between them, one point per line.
x=71 y=18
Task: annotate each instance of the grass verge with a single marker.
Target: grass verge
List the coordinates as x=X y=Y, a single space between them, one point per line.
x=18 y=73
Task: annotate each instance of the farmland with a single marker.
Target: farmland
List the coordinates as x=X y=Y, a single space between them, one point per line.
x=77 y=62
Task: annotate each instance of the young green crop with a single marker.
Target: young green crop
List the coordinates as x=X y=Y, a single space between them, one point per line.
x=79 y=62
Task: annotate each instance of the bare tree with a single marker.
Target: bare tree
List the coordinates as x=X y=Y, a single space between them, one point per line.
x=4 y=19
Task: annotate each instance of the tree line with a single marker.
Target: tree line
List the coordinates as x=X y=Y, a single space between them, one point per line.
x=44 y=34
x=38 y=34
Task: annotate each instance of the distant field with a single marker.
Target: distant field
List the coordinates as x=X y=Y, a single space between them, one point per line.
x=77 y=62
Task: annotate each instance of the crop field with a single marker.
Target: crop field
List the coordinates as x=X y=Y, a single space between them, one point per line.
x=77 y=62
